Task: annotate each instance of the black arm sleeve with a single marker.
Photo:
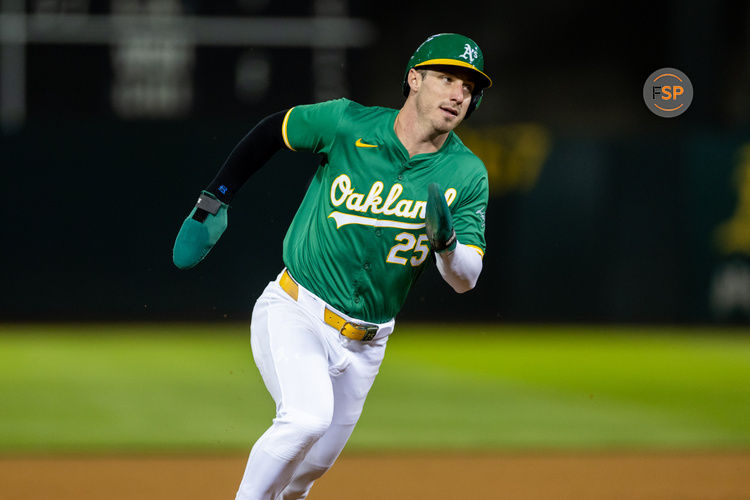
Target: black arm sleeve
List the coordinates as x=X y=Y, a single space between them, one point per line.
x=251 y=153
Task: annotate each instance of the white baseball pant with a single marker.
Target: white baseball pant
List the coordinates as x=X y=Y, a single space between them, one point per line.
x=319 y=380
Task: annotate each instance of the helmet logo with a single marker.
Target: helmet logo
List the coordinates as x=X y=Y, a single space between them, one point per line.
x=469 y=53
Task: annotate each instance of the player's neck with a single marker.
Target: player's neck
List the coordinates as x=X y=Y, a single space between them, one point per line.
x=416 y=136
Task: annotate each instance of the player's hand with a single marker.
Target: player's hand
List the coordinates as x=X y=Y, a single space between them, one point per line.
x=438 y=220
x=200 y=231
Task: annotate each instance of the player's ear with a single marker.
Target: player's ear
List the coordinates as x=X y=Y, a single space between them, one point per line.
x=414 y=80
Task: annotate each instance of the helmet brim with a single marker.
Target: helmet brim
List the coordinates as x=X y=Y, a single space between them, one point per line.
x=484 y=80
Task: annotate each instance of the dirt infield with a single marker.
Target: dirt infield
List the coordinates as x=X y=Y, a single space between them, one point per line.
x=698 y=476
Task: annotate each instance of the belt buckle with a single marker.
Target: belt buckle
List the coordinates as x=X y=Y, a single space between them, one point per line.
x=369 y=330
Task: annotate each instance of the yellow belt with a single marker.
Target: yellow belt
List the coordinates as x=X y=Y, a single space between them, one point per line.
x=348 y=329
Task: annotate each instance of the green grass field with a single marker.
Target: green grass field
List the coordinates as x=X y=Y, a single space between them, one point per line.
x=179 y=387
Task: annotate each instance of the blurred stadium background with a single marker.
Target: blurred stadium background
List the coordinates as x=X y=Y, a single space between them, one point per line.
x=115 y=113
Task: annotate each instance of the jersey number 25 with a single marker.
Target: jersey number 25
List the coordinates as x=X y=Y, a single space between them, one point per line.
x=409 y=242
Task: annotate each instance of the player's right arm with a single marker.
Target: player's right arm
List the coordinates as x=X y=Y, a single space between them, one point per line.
x=206 y=223
x=309 y=127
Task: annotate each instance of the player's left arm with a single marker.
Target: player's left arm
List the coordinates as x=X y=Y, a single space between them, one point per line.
x=458 y=238
x=460 y=267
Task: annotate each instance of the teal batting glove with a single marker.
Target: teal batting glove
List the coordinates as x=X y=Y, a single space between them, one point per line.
x=438 y=221
x=200 y=231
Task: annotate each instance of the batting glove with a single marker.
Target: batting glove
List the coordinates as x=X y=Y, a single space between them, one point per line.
x=200 y=231
x=438 y=221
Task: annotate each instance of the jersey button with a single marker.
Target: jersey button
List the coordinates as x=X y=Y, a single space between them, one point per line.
x=366 y=266
x=378 y=232
x=356 y=300
x=400 y=177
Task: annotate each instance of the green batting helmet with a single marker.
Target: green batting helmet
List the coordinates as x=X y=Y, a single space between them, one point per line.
x=451 y=49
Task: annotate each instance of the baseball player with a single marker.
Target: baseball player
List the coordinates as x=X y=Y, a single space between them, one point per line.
x=395 y=190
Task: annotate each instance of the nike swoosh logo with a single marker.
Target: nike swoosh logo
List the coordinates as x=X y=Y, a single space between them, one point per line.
x=361 y=144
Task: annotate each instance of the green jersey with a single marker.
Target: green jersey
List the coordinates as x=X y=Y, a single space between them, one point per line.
x=358 y=239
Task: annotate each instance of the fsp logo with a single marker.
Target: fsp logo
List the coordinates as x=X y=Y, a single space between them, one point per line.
x=469 y=53
x=668 y=92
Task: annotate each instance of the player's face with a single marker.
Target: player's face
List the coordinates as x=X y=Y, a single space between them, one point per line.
x=443 y=98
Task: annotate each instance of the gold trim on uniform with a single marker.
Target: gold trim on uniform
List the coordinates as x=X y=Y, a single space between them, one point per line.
x=479 y=250
x=283 y=129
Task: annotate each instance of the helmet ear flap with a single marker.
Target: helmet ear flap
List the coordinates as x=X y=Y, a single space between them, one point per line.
x=476 y=99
